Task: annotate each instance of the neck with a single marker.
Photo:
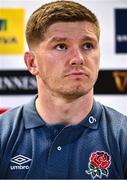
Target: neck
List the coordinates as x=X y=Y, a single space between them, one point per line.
x=56 y=110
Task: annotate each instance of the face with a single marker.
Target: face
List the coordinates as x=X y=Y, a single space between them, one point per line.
x=67 y=60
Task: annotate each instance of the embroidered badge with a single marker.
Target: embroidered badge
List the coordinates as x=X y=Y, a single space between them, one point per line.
x=99 y=163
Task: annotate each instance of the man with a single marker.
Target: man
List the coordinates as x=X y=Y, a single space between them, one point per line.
x=63 y=133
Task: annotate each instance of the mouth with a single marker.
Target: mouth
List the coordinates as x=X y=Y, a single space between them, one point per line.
x=76 y=74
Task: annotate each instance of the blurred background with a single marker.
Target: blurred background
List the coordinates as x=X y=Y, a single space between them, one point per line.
x=17 y=85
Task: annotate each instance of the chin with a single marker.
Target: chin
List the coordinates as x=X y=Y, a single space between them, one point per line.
x=75 y=93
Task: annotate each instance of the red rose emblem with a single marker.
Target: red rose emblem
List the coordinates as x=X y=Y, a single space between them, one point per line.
x=99 y=162
x=100 y=159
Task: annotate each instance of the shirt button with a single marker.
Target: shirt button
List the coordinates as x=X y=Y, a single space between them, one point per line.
x=59 y=148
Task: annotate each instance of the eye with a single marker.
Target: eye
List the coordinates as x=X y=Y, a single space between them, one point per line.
x=88 y=46
x=61 y=47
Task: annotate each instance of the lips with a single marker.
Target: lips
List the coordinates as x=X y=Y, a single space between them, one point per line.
x=76 y=73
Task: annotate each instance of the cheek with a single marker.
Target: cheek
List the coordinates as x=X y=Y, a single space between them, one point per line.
x=42 y=65
x=95 y=63
x=48 y=70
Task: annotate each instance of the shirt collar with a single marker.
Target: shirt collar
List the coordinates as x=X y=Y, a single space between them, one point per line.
x=33 y=120
x=93 y=118
x=30 y=115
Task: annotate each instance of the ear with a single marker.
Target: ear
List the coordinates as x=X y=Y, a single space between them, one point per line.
x=30 y=61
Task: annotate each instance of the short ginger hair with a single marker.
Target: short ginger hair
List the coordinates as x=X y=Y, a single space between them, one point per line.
x=57 y=11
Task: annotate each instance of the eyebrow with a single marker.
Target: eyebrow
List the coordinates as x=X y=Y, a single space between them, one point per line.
x=64 y=39
x=89 y=38
x=57 y=39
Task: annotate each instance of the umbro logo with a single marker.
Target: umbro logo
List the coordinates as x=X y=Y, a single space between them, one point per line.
x=20 y=160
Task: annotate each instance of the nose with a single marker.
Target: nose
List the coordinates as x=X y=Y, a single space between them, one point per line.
x=77 y=58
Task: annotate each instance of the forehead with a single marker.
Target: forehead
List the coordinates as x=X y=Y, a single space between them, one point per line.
x=71 y=30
